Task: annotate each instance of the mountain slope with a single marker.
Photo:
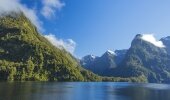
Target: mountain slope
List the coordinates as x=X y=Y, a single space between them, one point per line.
x=166 y=42
x=26 y=55
x=120 y=55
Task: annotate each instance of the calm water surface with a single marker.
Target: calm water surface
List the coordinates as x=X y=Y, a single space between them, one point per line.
x=83 y=91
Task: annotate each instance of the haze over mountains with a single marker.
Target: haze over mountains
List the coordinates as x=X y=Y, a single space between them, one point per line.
x=146 y=57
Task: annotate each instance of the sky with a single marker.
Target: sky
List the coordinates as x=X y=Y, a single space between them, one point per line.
x=95 y=26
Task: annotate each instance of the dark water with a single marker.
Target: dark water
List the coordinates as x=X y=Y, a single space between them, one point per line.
x=83 y=91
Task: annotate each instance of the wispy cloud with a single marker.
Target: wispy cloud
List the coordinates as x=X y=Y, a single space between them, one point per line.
x=150 y=38
x=50 y=7
x=31 y=14
x=69 y=45
x=8 y=6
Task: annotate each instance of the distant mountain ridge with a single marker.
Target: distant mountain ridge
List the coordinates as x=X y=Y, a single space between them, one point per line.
x=102 y=65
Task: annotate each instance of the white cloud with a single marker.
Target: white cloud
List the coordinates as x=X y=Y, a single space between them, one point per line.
x=150 y=38
x=8 y=6
x=50 y=7
x=31 y=14
x=69 y=45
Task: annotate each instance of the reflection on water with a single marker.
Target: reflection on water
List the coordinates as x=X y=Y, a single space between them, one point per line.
x=83 y=91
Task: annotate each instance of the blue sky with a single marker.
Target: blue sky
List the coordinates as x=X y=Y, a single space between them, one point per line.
x=99 y=25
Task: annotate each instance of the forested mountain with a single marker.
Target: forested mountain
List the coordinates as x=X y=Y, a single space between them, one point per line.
x=144 y=58
x=25 y=55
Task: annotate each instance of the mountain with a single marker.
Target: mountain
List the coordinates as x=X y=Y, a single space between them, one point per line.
x=99 y=65
x=25 y=55
x=144 y=58
x=104 y=64
x=87 y=60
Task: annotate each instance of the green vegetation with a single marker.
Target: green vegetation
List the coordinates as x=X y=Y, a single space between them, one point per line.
x=138 y=79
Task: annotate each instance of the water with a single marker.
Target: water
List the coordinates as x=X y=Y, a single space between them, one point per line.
x=83 y=91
